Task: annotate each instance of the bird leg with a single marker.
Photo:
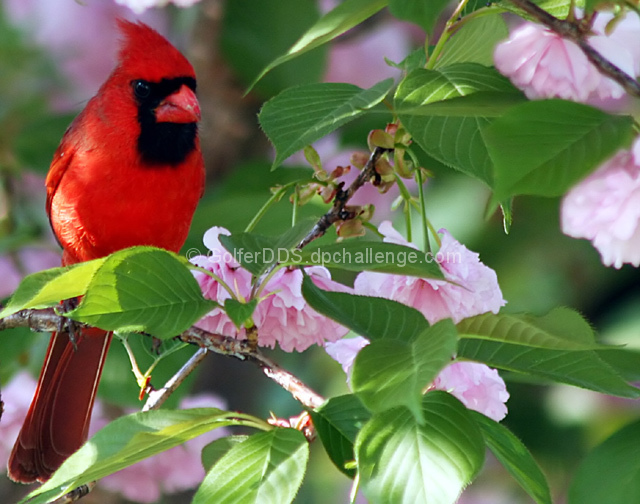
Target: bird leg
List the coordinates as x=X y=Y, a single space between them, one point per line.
x=68 y=325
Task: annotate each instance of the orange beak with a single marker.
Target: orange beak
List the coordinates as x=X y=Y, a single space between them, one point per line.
x=179 y=107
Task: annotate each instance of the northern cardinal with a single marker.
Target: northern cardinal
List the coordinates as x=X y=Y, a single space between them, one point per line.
x=128 y=171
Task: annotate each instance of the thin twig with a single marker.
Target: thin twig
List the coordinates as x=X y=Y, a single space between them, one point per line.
x=158 y=397
x=339 y=210
x=244 y=351
x=573 y=32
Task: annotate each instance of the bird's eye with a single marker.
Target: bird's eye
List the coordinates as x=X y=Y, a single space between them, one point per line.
x=141 y=89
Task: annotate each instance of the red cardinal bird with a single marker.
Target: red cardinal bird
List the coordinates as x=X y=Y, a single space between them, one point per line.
x=128 y=171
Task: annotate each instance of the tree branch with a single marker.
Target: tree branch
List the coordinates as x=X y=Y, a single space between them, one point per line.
x=47 y=321
x=244 y=351
x=573 y=32
x=339 y=210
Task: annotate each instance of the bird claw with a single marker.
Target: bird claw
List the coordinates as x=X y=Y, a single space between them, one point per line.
x=66 y=324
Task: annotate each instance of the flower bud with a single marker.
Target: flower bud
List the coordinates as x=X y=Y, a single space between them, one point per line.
x=379 y=138
x=359 y=159
x=350 y=229
x=313 y=158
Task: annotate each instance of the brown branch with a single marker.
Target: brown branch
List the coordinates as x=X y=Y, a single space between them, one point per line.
x=339 y=211
x=244 y=351
x=573 y=32
x=48 y=320
x=36 y=320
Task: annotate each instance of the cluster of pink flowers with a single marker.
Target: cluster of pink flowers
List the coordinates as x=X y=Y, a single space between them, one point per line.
x=282 y=315
x=472 y=288
x=605 y=208
x=545 y=65
x=601 y=207
x=172 y=471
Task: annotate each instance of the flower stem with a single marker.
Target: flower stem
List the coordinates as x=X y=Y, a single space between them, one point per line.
x=296 y=200
x=275 y=197
x=449 y=29
x=222 y=283
x=423 y=212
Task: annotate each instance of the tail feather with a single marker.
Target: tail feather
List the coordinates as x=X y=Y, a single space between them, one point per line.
x=57 y=423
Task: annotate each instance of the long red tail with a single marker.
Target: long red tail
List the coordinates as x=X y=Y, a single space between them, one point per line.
x=58 y=420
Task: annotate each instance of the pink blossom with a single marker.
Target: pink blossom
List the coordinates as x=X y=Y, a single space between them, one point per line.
x=174 y=470
x=477 y=386
x=285 y=317
x=605 y=208
x=282 y=315
x=472 y=288
x=344 y=351
x=16 y=396
x=545 y=65
x=220 y=262
x=13 y=267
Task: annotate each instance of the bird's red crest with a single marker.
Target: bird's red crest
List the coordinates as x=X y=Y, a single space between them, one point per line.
x=149 y=55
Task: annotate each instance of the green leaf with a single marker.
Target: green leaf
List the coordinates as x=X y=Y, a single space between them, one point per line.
x=290 y=239
x=625 y=361
x=557 y=8
x=256 y=253
x=415 y=59
x=337 y=423
x=266 y=468
x=446 y=111
x=611 y=472
x=355 y=255
x=299 y=116
x=334 y=23
x=215 y=450
x=143 y=289
x=475 y=41
x=372 y=317
x=126 y=441
x=424 y=14
x=387 y=373
x=403 y=462
x=45 y=289
x=255 y=33
x=239 y=312
x=544 y=147
x=560 y=329
x=559 y=346
x=515 y=458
